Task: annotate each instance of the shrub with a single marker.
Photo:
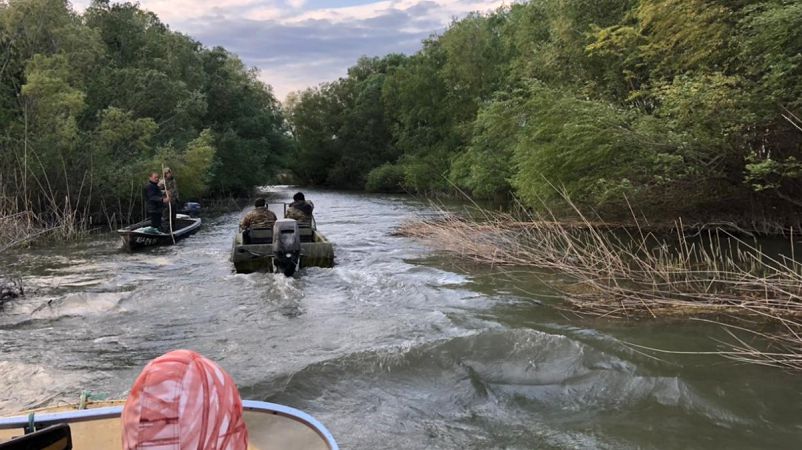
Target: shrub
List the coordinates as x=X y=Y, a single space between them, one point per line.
x=385 y=178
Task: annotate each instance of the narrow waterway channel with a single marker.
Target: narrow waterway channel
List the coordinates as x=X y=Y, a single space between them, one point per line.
x=395 y=347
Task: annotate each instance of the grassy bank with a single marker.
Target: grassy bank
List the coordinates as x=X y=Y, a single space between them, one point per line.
x=630 y=273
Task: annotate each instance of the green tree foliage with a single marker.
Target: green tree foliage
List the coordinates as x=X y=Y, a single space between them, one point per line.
x=121 y=145
x=90 y=104
x=684 y=35
x=385 y=178
x=587 y=149
x=341 y=129
x=194 y=164
x=316 y=119
x=684 y=106
x=772 y=49
x=770 y=38
x=709 y=113
x=617 y=64
x=248 y=122
x=548 y=38
x=486 y=167
x=417 y=100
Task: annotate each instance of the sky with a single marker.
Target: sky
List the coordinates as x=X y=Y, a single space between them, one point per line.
x=297 y=44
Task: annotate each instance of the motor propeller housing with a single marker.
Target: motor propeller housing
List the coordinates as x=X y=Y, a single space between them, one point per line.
x=286 y=246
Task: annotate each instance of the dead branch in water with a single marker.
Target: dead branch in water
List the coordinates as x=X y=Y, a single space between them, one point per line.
x=10 y=289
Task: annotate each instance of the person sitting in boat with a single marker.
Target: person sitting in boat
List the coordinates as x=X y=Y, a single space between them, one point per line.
x=259 y=217
x=184 y=401
x=170 y=187
x=300 y=209
x=155 y=200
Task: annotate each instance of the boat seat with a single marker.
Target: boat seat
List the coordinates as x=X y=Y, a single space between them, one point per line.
x=306 y=233
x=257 y=236
x=54 y=437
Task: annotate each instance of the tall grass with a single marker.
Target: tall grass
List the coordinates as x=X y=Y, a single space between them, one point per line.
x=21 y=226
x=32 y=208
x=631 y=273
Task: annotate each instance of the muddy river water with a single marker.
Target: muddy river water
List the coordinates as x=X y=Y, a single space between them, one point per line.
x=396 y=347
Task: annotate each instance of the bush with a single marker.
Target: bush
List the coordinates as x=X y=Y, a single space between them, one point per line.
x=385 y=178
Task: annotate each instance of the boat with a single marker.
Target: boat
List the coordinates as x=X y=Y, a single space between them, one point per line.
x=98 y=427
x=297 y=246
x=141 y=235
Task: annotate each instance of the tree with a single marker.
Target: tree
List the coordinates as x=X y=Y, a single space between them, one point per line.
x=90 y=104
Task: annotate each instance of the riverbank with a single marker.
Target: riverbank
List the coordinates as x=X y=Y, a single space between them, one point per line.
x=630 y=273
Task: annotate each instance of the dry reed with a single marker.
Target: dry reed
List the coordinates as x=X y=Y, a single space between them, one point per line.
x=629 y=273
x=24 y=227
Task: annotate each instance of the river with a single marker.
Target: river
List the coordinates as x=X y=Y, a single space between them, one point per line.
x=396 y=347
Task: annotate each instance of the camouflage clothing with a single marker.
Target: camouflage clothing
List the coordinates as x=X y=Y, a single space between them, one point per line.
x=260 y=217
x=300 y=211
x=171 y=187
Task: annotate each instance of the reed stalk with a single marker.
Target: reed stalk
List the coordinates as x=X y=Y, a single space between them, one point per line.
x=618 y=272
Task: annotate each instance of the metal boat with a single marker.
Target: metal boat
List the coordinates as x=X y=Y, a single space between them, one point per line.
x=286 y=247
x=270 y=426
x=141 y=235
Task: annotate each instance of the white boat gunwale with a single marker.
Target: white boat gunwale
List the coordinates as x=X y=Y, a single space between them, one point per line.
x=131 y=229
x=110 y=412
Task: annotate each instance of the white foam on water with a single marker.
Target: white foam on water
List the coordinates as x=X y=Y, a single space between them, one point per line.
x=24 y=386
x=78 y=304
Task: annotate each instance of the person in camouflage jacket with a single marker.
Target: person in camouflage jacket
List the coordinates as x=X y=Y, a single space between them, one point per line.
x=170 y=188
x=300 y=209
x=259 y=217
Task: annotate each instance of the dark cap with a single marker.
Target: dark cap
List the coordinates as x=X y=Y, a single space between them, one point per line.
x=259 y=202
x=298 y=197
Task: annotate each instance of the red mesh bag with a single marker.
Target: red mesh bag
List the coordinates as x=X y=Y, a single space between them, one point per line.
x=183 y=401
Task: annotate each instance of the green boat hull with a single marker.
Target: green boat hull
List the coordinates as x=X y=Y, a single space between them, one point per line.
x=259 y=257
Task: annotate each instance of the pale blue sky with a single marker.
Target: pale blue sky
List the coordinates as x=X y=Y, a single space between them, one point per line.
x=300 y=43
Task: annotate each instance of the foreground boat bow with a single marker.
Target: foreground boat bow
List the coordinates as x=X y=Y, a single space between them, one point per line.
x=270 y=426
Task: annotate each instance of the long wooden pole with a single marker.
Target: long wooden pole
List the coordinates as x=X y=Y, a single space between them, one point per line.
x=169 y=204
x=25 y=166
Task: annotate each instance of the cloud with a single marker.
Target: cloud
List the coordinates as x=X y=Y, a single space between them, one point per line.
x=299 y=49
x=442 y=10
x=297 y=44
x=291 y=77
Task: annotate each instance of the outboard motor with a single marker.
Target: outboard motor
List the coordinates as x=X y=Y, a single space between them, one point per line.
x=192 y=209
x=286 y=246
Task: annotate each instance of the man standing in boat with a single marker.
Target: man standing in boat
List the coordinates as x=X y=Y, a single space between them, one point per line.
x=155 y=201
x=259 y=217
x=170 y=187
x=300 y=209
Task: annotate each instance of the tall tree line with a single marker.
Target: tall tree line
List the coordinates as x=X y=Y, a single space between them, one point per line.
x=674 y=106
x=91 y=103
